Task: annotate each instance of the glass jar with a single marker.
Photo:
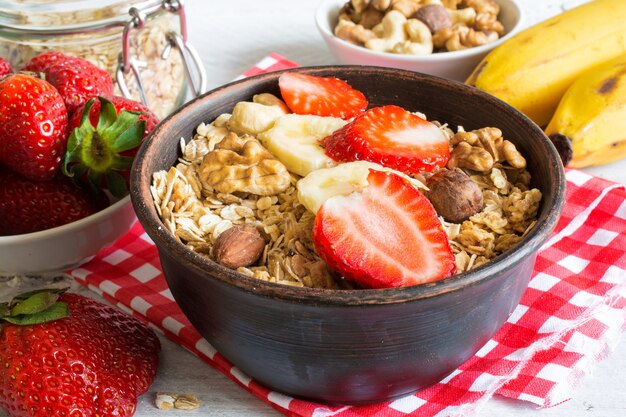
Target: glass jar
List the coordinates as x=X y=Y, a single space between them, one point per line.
x=132 y=40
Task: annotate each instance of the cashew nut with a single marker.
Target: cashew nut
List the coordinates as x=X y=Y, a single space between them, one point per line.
x=393 y=33
x=255 y=117
x=420 y=39
x=379 y=30
x=353 y=33
x=465 y=16
x=242 y=164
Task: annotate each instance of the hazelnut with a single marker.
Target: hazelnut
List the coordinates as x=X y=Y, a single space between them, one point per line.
x=434 y=16
x=371 y=17
x=241 y=245
x=454 y=195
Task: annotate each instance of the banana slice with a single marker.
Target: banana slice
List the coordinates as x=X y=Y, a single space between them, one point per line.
x=343 y=179
x=294 y=141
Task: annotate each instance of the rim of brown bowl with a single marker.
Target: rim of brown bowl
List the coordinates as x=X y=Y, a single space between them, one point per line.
x=147 y=215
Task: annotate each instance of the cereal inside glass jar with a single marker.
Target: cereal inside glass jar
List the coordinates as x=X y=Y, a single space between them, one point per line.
x=94 y=30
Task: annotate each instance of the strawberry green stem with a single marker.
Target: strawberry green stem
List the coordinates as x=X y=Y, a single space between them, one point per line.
x=96 y=152
x=35 y=307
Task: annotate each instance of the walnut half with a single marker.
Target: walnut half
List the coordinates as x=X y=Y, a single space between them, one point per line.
x=242 y=164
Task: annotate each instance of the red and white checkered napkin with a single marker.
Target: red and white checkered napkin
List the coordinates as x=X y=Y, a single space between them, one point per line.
x=571 y=316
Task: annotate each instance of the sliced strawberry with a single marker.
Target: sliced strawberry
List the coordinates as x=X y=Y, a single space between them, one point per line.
x=392 y=137
x=320 y=96
x=388 y=235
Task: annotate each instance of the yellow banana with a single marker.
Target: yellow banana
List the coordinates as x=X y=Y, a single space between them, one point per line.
x=589 y=125
x=532 y=70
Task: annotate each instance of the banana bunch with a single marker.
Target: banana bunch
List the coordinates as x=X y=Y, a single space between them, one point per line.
x=532 y=70
x=589 y=125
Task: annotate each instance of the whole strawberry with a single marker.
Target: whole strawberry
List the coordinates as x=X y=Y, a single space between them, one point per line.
x=33 y=126
x=105 y=136
x=76 y=79
x=28 y=206
x=66 y=354
x=5 y=67
x=121 y=104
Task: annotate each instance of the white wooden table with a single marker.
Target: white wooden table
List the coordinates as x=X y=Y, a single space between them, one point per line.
x=231 y=36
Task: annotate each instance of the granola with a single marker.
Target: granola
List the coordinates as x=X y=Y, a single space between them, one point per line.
x=197 y=214
x=172 y=400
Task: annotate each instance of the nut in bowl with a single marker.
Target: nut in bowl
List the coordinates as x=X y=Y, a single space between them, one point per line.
x=414 y=40
x=352 y=343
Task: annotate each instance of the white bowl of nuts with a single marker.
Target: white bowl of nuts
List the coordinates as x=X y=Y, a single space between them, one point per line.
x=447 y=38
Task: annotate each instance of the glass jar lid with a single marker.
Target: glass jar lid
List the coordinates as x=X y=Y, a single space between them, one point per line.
x=68 y=16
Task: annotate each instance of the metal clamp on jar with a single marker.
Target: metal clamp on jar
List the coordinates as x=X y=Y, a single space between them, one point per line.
x=132 y=40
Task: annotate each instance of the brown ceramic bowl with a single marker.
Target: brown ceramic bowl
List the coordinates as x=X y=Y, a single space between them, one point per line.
x=351 y=346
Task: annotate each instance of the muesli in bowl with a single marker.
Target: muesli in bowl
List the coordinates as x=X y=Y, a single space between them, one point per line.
x=356 y=345
x=310 y=189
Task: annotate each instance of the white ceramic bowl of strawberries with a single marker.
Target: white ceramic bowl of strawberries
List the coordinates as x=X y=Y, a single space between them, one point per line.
x=63 y=247
x=66 y=147
x=455 y=65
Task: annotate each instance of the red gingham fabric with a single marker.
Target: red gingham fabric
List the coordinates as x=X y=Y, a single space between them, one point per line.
x=571 y=316
x=272 y=62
